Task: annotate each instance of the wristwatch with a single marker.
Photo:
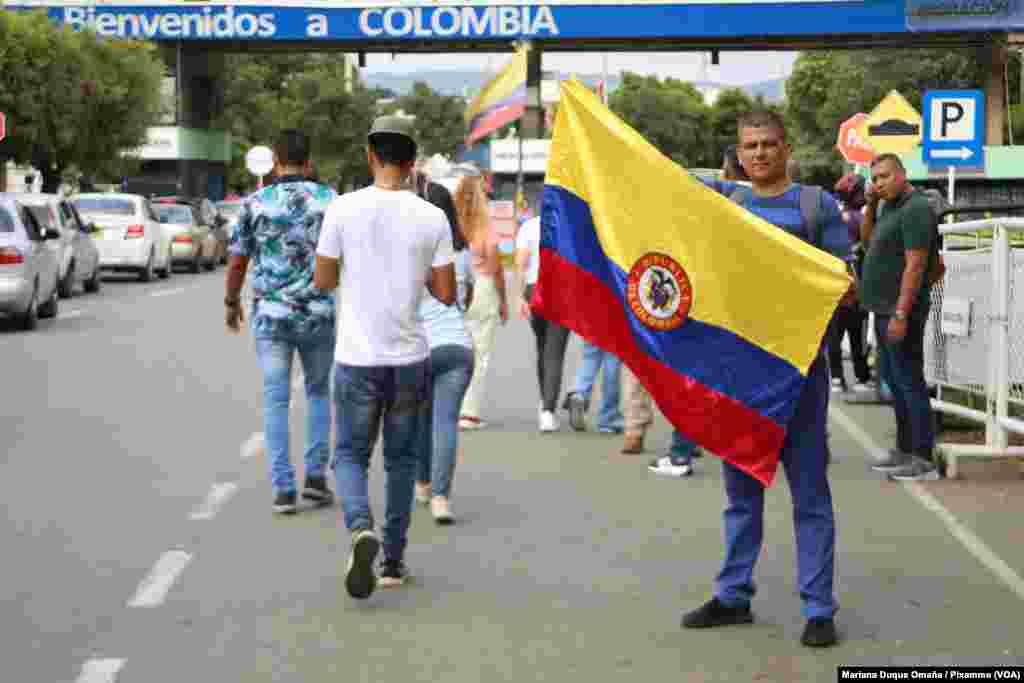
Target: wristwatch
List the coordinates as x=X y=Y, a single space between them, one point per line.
x=899 y=315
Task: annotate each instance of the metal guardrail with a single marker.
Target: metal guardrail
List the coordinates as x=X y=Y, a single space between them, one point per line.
x=982 y=280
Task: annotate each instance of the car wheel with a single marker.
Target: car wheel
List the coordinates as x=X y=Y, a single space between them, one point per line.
x=30 y=317
x=211 y=262
x=93 y=283
x=196 y=263
x=49 y=309
x=165 y=272
x=146 y=274
x=66 y=287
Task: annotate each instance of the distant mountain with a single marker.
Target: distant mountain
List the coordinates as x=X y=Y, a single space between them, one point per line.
x=464 y=81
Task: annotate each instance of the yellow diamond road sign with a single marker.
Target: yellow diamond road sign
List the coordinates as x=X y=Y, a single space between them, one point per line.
x=894 y=126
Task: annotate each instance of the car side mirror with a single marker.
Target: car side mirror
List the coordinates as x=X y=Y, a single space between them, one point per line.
x=51 y=234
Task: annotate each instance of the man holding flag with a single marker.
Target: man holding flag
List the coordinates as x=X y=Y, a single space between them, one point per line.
x=644 y=261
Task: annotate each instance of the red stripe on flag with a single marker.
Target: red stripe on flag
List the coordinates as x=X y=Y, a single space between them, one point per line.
x=724 y=426
x=493 y=120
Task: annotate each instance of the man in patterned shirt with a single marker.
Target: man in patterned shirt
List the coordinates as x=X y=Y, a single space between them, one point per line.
x=278 y=229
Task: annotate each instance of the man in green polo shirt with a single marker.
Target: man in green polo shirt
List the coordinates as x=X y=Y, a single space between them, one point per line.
x=901 y=239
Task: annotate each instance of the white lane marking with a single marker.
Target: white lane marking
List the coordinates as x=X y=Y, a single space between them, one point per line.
x=67 y=315
x=960 y=531
x=153 y=589
x=168 y=292
x=298 y=381
x=100 y=670
x=253 y=445
x=215 y=499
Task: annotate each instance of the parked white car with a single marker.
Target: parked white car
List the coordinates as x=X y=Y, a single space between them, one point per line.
x=79 y=257
x=130 y=237
x=28 y=265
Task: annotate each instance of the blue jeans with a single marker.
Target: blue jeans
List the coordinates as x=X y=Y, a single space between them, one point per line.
x=368 y=401
x=904 y=362
x=594 y=358
x=804 y=457
x=451 y=369
x=275 y=354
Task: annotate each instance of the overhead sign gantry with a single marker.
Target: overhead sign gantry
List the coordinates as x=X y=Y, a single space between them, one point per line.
x=558 y=24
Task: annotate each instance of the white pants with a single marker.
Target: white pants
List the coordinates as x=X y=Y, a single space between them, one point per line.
x=482 y=322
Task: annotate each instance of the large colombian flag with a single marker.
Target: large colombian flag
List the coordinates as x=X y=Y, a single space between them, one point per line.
x=718 y=313
x=501 y=101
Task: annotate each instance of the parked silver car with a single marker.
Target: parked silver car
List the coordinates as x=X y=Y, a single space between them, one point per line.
x=28 y=265
x=79 y=257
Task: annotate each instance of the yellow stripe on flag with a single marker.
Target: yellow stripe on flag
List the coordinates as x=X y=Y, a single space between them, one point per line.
x=748 y=276
x=501 y=86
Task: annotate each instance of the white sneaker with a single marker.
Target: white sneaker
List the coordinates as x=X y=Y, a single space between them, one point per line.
x=441 y=508
x=548 y=421
x=467 y=423
x=669 y=466
x=865 y=387
x=837 y=385
x=422 y=493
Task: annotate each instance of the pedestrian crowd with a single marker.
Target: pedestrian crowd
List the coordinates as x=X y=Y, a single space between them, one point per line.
x=399 y=289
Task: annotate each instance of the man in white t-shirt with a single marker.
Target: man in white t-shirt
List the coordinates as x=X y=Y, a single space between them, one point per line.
x=551 y=337
x=392 y=245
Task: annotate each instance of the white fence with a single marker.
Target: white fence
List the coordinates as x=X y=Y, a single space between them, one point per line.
x=974 y=340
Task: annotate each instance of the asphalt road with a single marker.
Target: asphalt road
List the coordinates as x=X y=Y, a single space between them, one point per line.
x=123 y=423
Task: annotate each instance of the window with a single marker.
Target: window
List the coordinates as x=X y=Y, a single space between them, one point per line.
x=31 y=226
x=173 y=213
x=105 y=205
x=6 y=220
x=44 y=216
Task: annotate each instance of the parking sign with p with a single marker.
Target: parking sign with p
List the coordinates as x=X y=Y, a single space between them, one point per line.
x=954 y=125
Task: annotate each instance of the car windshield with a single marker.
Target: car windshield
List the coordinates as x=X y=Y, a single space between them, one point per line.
x=230 y=209
x=6 y=222
x=173 y=213
x=105 y=205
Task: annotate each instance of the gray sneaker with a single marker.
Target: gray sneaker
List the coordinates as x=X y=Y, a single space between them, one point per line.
x=894 y=461
x=577 y=407
x=918 y=470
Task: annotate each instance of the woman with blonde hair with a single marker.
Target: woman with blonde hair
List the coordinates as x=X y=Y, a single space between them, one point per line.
x=487 y=305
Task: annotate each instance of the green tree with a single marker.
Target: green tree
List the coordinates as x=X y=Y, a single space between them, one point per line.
x=77 y=102
x=439 y=124
x=722 y=121
x=670 y=114
x=317 y=93
x=826 y=88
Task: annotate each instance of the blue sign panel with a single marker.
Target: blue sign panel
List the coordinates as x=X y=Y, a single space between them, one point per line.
x=427 y=21
x=954 y=128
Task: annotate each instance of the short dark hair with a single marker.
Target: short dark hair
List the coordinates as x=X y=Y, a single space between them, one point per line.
x=393 y=149
x=889 y=156
x=761 y=118
x=292 y=147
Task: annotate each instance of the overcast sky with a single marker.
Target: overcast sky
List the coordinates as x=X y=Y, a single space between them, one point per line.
x=736 y=68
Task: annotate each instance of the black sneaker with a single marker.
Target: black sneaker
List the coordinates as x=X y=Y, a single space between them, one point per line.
x=393 y=573
x=820 y=633
x=316 y=490
x=713 y=613
x=360 y=579
x=284 y=503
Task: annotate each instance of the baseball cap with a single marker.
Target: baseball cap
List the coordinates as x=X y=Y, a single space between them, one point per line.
x=395 y=125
